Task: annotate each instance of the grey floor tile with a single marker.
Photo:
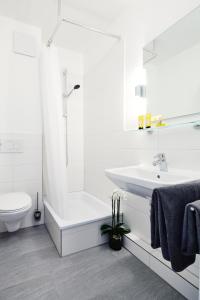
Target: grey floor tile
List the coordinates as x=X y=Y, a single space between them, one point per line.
x=30 y=269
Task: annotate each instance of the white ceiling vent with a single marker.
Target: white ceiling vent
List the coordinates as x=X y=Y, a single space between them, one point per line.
x=24 y=44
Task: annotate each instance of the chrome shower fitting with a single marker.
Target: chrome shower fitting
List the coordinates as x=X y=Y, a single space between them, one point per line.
x=67 y=95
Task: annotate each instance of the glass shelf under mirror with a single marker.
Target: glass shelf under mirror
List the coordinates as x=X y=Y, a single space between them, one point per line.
x=195 y=124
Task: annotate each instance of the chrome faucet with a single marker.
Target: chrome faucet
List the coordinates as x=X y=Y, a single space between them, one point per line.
x=160 y=159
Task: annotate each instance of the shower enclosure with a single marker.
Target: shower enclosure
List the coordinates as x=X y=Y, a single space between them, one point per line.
x=55 y=175
x=73 y=217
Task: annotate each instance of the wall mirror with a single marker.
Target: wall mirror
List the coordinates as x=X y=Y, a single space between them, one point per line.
x=172 y=64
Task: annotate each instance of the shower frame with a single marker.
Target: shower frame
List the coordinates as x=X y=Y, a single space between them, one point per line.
x=61 y=20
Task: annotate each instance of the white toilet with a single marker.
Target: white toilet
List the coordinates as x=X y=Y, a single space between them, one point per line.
x=13 y=208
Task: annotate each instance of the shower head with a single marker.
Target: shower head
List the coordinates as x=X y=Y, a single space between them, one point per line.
x=76 y=87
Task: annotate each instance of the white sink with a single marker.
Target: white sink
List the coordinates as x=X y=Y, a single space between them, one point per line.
x=142 y=180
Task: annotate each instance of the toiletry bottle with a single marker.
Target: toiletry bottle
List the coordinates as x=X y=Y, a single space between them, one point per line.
x=141 y=122
x=157 y=121
x=148 y=120
x=160 y=122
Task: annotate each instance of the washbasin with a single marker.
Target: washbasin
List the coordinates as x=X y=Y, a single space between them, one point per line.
x=142 y=180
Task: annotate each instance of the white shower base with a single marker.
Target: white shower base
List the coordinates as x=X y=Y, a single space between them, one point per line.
x=80 y=228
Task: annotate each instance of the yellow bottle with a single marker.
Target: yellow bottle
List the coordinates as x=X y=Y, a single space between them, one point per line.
x=160 y=122
x=141 y=122
x=157 y=121
x=148 y=120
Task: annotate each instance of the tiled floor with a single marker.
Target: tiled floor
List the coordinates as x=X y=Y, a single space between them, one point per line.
x=30 y=268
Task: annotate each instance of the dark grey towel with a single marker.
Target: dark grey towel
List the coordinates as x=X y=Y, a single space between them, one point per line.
x=167 y=213
x=191 y=229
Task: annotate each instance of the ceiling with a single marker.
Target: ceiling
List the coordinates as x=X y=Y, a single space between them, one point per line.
x=43 y=14
x=106 y=9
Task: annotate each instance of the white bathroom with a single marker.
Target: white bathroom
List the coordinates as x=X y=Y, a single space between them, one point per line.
x=99 y=149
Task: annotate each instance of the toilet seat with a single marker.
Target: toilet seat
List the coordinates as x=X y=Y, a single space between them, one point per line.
x=14 y=202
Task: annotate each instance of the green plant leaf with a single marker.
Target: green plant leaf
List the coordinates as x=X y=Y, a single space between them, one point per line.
x=119 y=224
x=122 y=229
x=105 y=231
x=105 y=226
x=123 y=226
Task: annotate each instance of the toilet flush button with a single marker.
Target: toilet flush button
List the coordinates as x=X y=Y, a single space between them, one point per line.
x=11 y=146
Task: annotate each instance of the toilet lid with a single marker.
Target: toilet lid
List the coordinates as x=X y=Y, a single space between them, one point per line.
x=14 y=201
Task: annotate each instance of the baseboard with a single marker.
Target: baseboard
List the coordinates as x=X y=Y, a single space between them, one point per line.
x=174 y=279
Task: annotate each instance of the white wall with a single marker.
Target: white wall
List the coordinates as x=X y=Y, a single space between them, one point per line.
x=73 y=63
x=139 y=26
x=20 y=115
x=107 y=145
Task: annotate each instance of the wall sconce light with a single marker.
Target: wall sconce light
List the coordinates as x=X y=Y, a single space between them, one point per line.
x=140 y=91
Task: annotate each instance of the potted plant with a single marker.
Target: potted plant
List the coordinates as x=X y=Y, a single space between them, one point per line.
x=117 y=229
